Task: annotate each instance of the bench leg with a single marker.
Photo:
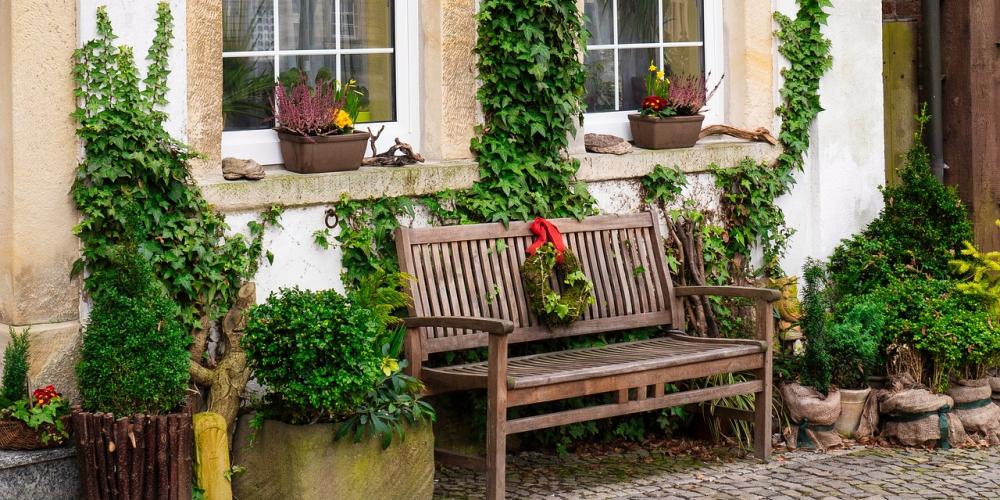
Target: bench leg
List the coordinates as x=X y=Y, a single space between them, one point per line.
x=763 y=399
x=496 y=419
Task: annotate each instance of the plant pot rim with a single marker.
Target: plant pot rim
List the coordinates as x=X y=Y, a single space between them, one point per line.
x=357 y=135
x=690 y=118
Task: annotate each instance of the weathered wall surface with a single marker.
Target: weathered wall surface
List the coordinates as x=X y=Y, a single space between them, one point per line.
x=837 y=194
x=38 y=153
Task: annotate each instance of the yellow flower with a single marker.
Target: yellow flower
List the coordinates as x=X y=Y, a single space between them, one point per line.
x=389 y=366
x=343 y=119
x=661 y=75
x=652 y=68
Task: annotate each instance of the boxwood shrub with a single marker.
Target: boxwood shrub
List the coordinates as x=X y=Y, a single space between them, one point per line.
x=316 y=352
x=134 y=357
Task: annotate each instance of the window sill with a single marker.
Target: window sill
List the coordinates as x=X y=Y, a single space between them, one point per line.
x=289 y=189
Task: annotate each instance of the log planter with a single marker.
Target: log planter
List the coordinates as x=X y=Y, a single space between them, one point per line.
x=136 y=457
x=305 y=463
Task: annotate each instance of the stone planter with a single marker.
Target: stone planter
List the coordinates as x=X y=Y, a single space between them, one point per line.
x=304 y=462
x=314 y=155
x=49 y=474
x=665 y=133
x=852 y=405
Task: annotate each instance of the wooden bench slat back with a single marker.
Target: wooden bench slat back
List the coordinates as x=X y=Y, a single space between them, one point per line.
x=467 y=271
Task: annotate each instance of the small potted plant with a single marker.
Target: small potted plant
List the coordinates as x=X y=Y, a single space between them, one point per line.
x=28 y=423
x=329 y=366
x=854 y=344
x=670 y=115
x=133 y=430
x=315 y=126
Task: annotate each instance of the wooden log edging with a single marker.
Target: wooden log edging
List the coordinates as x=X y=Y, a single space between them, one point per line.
x=134 y=458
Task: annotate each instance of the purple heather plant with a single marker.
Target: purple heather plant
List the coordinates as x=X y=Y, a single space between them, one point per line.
x=308 y=111
x=688 y=94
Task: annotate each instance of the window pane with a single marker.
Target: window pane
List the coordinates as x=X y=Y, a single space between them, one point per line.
x=637 y=21
x=683 y=61
x=600 y=85
x=307 y=24
x=291 y=68
x=633 y=65
x=600 y=21
x=366 y=24
x=247 y=25
x=682 y=20
x=374 y=74
x=246 y=92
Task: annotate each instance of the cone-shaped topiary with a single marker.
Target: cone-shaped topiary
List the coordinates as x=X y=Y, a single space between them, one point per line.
x=15 y=367
x=134 y=357
x=817 y=365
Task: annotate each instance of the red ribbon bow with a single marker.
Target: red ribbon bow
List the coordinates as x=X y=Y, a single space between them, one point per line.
x=546 y=232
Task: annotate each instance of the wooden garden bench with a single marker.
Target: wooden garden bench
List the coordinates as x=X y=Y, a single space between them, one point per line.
x=468 y=292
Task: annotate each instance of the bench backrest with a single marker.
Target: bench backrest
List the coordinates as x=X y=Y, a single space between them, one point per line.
x=475 y=270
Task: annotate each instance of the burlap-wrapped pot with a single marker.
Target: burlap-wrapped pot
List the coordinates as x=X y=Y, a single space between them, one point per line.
x=974 y=407
x=812 y=416
x=913 y=417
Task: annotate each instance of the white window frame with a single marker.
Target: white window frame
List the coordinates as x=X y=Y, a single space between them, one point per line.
x=616 y=122
x=262 y=145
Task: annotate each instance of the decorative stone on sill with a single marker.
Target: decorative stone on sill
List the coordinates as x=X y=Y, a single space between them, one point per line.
x=606 y=144
x=289 y=189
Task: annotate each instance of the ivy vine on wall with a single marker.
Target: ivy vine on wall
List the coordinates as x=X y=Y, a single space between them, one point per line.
x=133 y=184
x=801 y=41
x=532 y=85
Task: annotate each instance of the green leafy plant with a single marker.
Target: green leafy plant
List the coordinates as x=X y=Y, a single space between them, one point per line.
x=531 y=92
x=917 y=233
x=853 y=343
x=134 y=185
x=365 y=230
x=43 y=413
x=388 y=409
x=982 y=273
x=134 y=357
x=316 y=352
x=817 y=367
x=15 y=366
x=802 y=43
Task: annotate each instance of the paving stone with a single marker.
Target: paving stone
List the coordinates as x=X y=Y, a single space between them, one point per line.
x=855 y=473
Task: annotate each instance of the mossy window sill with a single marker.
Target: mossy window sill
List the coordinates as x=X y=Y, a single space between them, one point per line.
x=289 y=189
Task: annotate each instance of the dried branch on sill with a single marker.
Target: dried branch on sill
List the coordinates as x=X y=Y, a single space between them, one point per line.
x=606 y=144
x=389 y=157
x=235 y=169
x=759 y=134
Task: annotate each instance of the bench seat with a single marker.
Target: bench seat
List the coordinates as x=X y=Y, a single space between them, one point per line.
x=609 y=360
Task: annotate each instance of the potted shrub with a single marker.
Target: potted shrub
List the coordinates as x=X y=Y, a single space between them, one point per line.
x=335 y=398
x=133 y=433
x=670 y=115
x=315 y=126
x=813 y=406
x=28 y=423
x=853 y=343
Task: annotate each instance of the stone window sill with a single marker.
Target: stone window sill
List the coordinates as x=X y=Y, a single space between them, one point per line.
x=289 y=189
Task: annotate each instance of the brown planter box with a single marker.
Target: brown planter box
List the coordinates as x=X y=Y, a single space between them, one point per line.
x=147 y=456
x=665 y=133
x=314 y=155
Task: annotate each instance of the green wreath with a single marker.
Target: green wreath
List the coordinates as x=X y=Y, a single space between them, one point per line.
x=551 y=307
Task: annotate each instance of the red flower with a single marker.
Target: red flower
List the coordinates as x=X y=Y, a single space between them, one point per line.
x=654 y=102
x=44 y=395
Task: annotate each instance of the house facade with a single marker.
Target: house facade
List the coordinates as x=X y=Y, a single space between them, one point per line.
x=414 y=62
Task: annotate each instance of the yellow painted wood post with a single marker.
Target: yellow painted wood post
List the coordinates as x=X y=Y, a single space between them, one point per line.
x=212 y=456
x=899 y=74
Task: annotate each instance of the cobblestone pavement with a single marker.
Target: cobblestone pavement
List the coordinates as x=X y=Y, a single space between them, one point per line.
x=854 y=473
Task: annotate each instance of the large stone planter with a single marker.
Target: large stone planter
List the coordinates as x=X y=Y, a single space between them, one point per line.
x=305 y=463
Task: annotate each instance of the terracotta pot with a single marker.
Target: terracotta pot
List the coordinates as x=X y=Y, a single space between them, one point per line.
x=665 y=133
x=852 y=404
x=314 y=155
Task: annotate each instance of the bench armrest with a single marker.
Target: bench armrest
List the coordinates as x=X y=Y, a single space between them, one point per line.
x=488 y=325
x=749 y=292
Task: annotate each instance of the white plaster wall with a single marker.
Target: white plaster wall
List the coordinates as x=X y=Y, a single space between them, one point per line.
x=134 y=22
x=837 y=194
